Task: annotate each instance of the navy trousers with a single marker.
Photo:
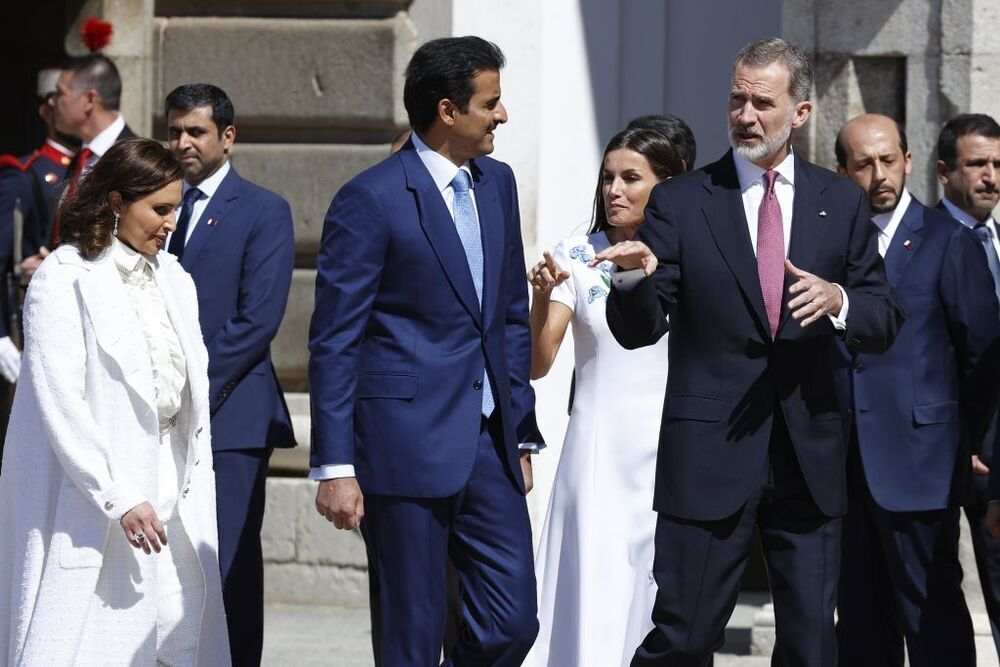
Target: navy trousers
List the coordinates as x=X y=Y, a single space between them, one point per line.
x=699 y=565
x=901 y=578
x=240 y=477
x=484 y=529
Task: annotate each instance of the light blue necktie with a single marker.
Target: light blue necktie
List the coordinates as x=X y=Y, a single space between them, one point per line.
x=467 y=224
x=985 y=235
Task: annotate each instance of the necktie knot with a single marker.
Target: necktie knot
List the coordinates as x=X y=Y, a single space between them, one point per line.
x=462 y=182
x=983 y=231
x=191 y=196
x=770 y=176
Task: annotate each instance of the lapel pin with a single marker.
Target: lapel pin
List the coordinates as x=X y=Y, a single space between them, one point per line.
x=211 y=222
x=907 y=244
x=822 y=214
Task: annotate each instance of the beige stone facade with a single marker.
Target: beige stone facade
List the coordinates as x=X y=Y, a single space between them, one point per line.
x=317 y=86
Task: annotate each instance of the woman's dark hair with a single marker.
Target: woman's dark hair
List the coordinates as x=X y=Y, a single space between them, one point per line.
x=444 y=69
x=134 y=169
x=651 y=144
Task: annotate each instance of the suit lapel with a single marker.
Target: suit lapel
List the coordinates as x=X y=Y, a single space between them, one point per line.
x=188 y=331
x=905 y=242
x=491 y=225
x=728 y=223
x=439 y=227
x=806 y=233
x=116 y=326
x=213 y=217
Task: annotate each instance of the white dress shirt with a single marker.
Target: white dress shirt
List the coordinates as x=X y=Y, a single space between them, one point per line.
x=208 y=189
x=888 y=223
x=442 y=171
x=971 y=222
x=105 y=139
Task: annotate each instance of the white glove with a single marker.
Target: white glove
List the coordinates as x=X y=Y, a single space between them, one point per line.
x=10 y=360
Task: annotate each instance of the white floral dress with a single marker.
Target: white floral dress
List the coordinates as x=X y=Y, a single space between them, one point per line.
x=595 y=558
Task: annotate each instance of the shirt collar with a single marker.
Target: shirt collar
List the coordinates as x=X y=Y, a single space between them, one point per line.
x=129 y=260
x=442 y=169
x=210 y=184
x=748 y=173
x=889 y=222
x=105 y=139
x=961 y=215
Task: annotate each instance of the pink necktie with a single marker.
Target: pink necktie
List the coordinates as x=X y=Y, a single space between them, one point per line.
x=770 y=251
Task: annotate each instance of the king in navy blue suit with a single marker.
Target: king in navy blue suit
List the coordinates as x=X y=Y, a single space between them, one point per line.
x=236 y=240
x=919 y=414
x=419 y=372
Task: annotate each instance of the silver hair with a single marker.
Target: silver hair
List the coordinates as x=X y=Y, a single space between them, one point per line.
x=763 y=52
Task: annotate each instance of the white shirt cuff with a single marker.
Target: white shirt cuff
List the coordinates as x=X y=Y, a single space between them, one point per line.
x=335 y=471
x=533 y=447
x=840 y=321
x=625 y=281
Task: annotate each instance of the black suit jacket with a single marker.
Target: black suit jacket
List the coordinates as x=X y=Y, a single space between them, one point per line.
x=727 y=376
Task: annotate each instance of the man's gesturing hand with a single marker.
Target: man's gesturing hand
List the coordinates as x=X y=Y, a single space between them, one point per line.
x=629 y=255
x=813 y=296
x=341 y=501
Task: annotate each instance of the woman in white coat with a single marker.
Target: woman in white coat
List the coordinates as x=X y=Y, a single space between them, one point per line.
x=107 y=497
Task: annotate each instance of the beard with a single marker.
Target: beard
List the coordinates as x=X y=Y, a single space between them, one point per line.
x=768 y=145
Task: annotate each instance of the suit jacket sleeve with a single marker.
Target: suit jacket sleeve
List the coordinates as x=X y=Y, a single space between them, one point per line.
x=974 y=327
x=873 y=319
x=517 y=331
x=638 y=317
x=349 y=268
x=243 y=341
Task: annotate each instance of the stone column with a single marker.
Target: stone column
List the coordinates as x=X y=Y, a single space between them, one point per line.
x=131 y=48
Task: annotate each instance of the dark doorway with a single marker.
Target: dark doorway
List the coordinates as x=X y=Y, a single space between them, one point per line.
x=32 y=35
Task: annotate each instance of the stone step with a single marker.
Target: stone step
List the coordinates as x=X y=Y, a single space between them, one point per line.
x=291 y=73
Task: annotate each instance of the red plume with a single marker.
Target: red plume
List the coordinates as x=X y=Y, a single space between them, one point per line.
x=96 y=34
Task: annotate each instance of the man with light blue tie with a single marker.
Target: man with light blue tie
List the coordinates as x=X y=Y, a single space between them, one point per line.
x=423 y=418
x=236 y=240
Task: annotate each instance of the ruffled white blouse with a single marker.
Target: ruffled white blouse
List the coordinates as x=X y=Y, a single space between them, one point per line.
x=165 y=353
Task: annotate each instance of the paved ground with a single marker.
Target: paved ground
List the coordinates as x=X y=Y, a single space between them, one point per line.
x=301 y=636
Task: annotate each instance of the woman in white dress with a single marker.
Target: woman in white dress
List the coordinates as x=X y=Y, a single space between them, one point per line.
x=109 y=553
x=594 y=562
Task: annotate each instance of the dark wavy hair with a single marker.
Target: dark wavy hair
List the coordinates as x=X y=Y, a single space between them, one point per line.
x=653 y=145
x=134 y=169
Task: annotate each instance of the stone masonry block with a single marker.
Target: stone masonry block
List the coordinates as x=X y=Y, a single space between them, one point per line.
x=307 y=175
x=295 y=583
x=319 y=73
x=280 y=517
x=878 y=28
x=290 y=348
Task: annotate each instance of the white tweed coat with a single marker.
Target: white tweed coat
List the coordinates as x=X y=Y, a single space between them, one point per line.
x=81 y=450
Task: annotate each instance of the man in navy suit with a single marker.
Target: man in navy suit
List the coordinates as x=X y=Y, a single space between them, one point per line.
x=419 y=372
x=968 y=169
x=916 y=416
x=236 y=240
x=760 y=264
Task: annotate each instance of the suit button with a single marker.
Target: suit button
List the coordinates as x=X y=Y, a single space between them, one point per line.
x=109 y=506
x=477 y=385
